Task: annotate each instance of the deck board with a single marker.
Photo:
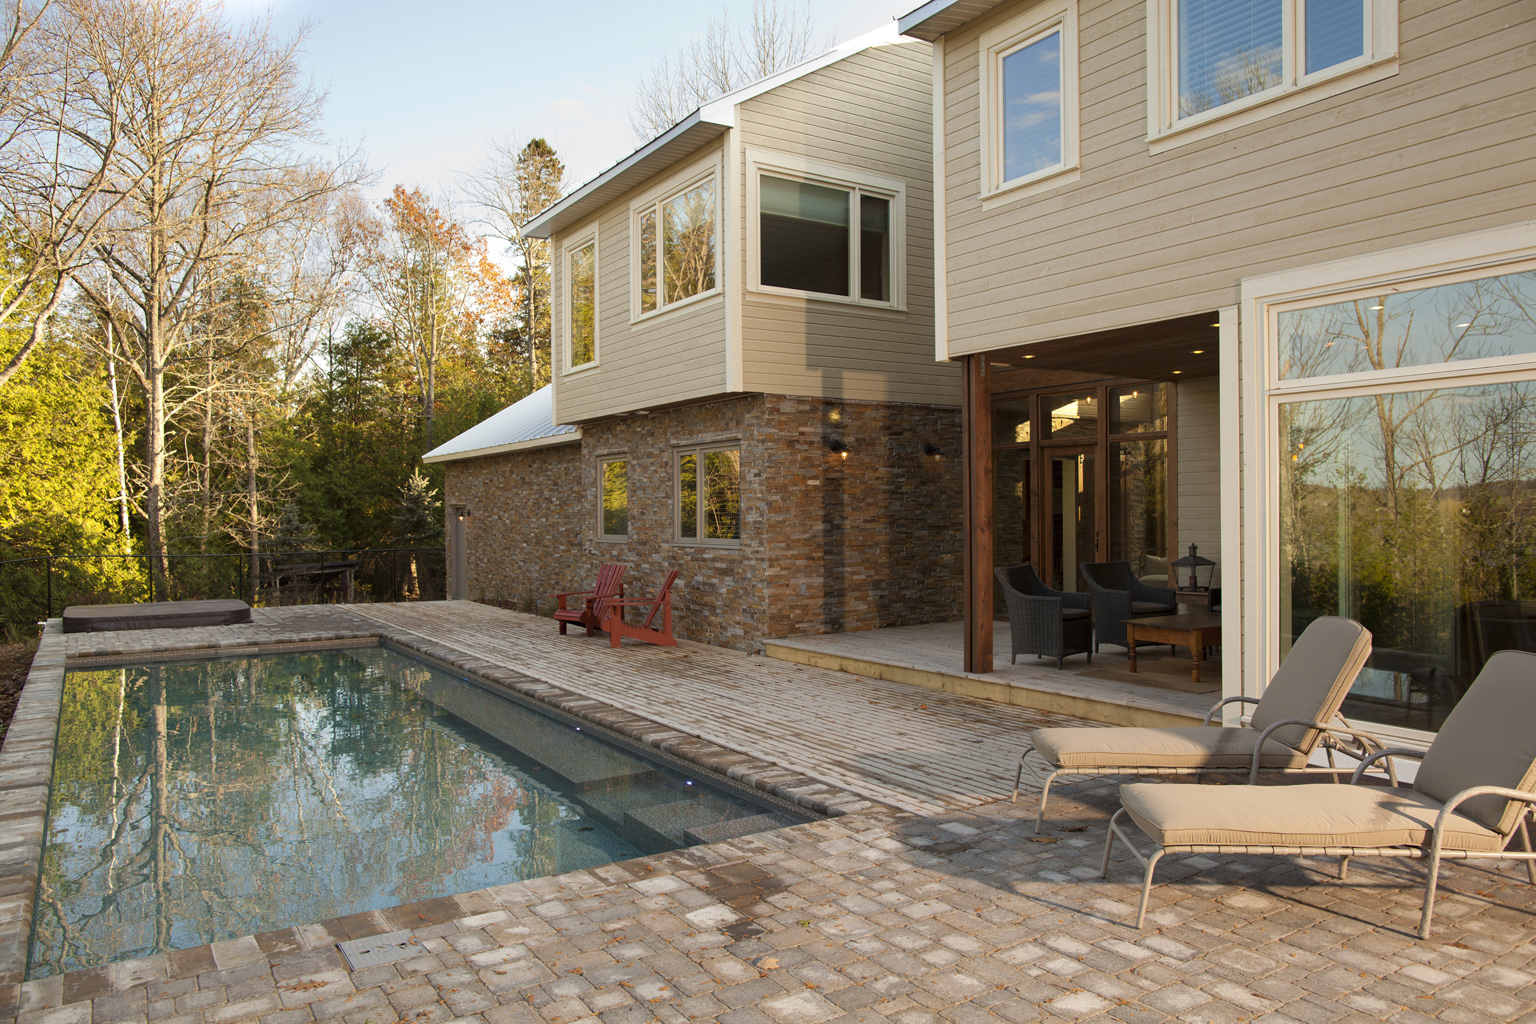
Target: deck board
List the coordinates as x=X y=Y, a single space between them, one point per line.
x=922 y=751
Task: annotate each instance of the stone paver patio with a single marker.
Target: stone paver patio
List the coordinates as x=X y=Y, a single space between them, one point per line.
x=960 y=914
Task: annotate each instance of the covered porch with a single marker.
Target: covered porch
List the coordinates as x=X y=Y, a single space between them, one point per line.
x=1159 y=693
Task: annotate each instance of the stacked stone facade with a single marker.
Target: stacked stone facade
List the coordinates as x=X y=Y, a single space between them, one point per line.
x=828 y=543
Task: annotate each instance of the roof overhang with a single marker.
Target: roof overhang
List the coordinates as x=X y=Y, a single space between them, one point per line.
x=502 y=449
x=685 y=138
x=938 y=17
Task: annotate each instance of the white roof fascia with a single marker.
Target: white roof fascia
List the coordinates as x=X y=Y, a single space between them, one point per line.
x=719 y=112
x=501 y=449
x=938 y=17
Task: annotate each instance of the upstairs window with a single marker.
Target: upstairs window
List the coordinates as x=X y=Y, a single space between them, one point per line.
x=676 y=247
x=1029 y=98
x=581 y=309
x=827 y=233
x=1227 y=55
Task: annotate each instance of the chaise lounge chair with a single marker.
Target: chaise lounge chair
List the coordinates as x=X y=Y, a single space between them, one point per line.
x=1291 y=719
x=1475 y=788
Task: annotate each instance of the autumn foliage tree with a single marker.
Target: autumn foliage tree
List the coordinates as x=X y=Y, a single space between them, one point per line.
x=434 y=288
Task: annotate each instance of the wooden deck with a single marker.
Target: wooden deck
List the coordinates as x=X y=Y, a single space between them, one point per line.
x=922 y=751
x=1160 y=693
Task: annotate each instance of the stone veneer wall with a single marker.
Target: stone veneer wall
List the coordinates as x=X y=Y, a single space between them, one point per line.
x=827 y=543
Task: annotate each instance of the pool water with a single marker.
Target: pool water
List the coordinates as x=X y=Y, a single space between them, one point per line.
x=199 y=801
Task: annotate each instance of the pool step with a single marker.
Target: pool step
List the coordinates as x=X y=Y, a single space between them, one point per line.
x=663 y=826
x=735 y=828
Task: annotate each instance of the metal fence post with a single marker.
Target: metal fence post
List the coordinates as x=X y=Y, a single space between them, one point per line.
x=49 y=613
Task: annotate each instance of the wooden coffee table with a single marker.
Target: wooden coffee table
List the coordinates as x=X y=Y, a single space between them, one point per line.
x=1196 y=631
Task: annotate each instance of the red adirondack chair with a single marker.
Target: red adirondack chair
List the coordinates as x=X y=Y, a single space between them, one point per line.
x=618 y=629
x=610 y=584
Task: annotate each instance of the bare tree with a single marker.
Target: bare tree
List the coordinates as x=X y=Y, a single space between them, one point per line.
x=513 y=185
x=210 y=125
x=719 y=60
x=59 y=183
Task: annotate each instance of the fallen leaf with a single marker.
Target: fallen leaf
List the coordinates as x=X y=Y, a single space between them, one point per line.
x=302 y=986
x=1042 y=839
x=1075 y=828
x=769 y=962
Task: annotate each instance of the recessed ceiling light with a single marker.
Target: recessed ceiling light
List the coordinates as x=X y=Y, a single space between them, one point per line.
x=1178 y=371
x=1217 y=324
x=1198 y=352
x=1029 y=357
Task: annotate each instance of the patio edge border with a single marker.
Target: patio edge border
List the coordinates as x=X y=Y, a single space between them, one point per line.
x=26 y=774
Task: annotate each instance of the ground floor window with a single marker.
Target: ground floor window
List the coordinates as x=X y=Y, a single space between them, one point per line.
x=1414 y=513
x=1403 y=448
x=709 y=494
x=613 y=510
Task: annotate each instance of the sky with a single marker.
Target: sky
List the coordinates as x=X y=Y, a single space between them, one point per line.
x=423 y=87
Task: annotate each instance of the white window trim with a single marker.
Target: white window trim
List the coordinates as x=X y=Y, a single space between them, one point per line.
x=699 y=449
x=1480 y=254
x=998 y=43
x=694 y=174
x=602 y=467
x=783 y=165
x=1166 y=130
x=588 y=235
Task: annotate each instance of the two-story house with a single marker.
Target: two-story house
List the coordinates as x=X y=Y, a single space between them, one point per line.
x=1261 y=275
x=745 y=382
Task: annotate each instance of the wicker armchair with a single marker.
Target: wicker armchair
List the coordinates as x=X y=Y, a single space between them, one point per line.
x=1045 y=622
x=1118 y=595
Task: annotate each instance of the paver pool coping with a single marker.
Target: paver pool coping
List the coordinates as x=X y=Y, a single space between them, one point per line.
x=26 y=769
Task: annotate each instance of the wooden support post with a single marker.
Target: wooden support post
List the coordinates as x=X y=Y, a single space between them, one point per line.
x=977 y=432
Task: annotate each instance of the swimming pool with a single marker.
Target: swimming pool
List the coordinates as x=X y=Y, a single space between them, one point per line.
x=198 y=801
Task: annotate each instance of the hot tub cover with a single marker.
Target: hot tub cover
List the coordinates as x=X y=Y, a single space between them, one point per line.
x=106 y=618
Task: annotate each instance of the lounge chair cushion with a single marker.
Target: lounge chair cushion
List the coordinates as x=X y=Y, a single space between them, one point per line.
x=1363 y=817
x=1487 y=740
x=1313 y=680
x=1150 y=608
x=1199 y=746
x=1068 y=614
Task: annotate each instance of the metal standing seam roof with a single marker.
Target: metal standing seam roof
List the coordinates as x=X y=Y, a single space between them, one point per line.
x=525 y=424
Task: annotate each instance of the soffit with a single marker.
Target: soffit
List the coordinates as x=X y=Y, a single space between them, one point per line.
x=935 y=19
x=1147 y=351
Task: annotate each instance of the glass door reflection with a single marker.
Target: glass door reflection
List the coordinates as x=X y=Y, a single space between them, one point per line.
x=1071 y=475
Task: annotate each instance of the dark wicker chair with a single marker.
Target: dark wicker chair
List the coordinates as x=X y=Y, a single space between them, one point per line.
x=1045 y=622
x=1117 y=595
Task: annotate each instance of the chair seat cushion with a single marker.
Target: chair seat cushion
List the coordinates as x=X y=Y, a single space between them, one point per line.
x=1150 y=608
x=1074 y=613
x=1197 y=746
x=1362 y=817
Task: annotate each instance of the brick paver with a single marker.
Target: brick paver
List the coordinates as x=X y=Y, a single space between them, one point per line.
x=956 y=916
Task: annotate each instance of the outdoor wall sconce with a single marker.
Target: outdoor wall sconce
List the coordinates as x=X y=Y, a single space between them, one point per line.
x=837 y=446
x=462 y=512
x=932 y=449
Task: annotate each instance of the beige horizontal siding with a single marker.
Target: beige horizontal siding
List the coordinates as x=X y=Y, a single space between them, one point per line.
x=1444 y=147
x=678 y=356
x=1199 y=484
x=870 y=112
